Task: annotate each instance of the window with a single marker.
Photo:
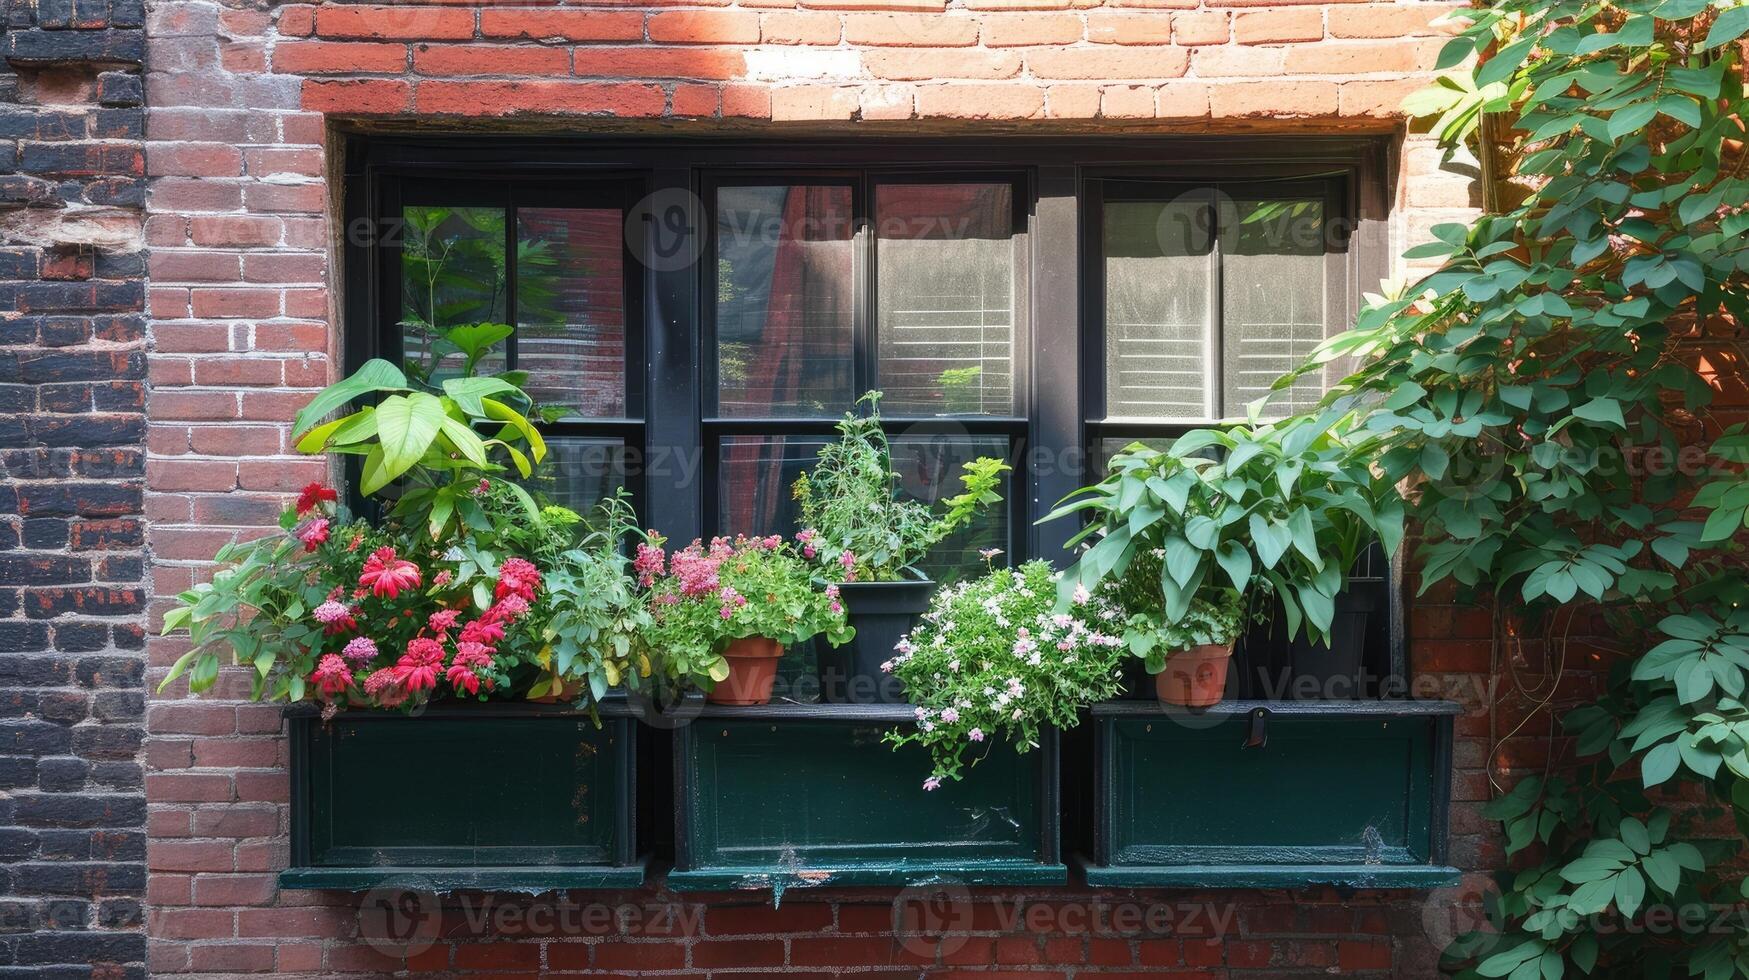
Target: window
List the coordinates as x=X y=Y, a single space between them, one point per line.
x=1201 y=295
x=708 y=310
x=818 y=288
x=551 y=262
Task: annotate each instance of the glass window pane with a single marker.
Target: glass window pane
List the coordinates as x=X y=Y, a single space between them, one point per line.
x=570 y=308
x=754 y=478
x=945 y=281
x=756 y=473
x=1157 y=329
x=580 y=470
x=452 y=273
x=785 y=301
x=1273 y=304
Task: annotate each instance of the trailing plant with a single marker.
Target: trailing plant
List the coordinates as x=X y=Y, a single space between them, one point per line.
x=994 y=661
x=1545 y=393
x=702 y=597
x=854 y=519
x=1285 y=508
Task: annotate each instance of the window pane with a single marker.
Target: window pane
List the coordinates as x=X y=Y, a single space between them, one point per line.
x=1157 y=329
x=1272 y=299
x=945 y=282
x=756 y=473
x=452 y=273
x=785 y=301
x=570 y=308
x=929 y=469
x=580 y=470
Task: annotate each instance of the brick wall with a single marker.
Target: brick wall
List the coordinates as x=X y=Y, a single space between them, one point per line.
x=72 y=463
x=241 y=98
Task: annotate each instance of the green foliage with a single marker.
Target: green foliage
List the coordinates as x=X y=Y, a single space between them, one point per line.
x=993 y=661
x=1286 y=508
x=1542 y=392
x=732 y=589
x=596 y=618
x=428 y=443
x=853 y=516
x=1217 y=619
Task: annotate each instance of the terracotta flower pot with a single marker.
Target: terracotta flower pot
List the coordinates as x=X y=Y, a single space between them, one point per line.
x=752 y=669
x=1195 y=678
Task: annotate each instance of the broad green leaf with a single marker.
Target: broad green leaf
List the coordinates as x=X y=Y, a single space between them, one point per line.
x=373 y=375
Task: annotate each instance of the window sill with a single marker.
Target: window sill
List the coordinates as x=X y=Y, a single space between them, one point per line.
x=1271 y=876
x=443 y=880
x=870 y=875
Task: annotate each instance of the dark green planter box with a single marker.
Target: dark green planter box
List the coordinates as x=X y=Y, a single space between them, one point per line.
x=797 y=796
x=478 y=796
x=1350 y=793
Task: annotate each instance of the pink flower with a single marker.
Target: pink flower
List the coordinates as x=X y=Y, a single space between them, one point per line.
x=361 y=649
x=932 y=784
x=727 y=612
x=1081 y=596
x=506 y=609
x=331 y=676
x=950 y=715
x=443 y=620
x=384 y=687
x=334 y=617
x=442 y=578
x=648 y=563
x=314 y=534
x=312 y=497
x=517 y=577
x=484 y=631
x=473 y=654
x=386 y=576
x=975 y=735
x=848 y=560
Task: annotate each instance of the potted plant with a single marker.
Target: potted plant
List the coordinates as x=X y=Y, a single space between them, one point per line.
x=467 y=587
x=1225 y=519
x=993 y=660
x=723 y=614
x=867 y=539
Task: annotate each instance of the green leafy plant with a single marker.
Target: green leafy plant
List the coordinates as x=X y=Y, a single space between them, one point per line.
x=853 y=517
x=1285 y=507
x=741 y=587
x=1545 y=393
x=430 y=440
x=994 y=661
x=595 y=619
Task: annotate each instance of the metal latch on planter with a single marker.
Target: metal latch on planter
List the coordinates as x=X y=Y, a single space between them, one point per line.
x=1258 y=735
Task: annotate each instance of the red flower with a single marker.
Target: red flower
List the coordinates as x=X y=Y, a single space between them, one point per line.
x=313 y=496
x=387 y=575
x=463 y=679
x=517 y=577
x=484 y=631
x=314 y=533
x=332 y=676
x=470 y=654
x=417 y=669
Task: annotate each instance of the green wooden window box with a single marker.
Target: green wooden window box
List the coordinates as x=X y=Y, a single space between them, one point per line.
x=796 y=796
x=1272 y=794
x=521 y=797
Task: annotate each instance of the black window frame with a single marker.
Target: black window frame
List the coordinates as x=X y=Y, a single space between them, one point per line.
x=1052 y=429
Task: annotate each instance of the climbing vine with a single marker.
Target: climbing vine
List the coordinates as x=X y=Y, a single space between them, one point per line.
x=1553 y=400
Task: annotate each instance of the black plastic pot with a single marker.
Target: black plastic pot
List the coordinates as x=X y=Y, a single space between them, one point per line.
x=1272 y=667
x=882 y=612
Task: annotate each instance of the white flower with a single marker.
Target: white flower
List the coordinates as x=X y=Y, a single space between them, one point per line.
x=1081 y=595
x=953 y=665
x=950 y=716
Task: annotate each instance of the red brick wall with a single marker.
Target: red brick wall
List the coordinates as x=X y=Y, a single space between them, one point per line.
x=242 y=291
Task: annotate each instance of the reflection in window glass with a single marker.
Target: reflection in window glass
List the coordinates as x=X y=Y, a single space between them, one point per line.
x=785 y=301
x=452 y=273
x=1157 y=312
x=1272 y=300
x=945 y=286
x=570 y=308
x=580 y=470
x=755 y=474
